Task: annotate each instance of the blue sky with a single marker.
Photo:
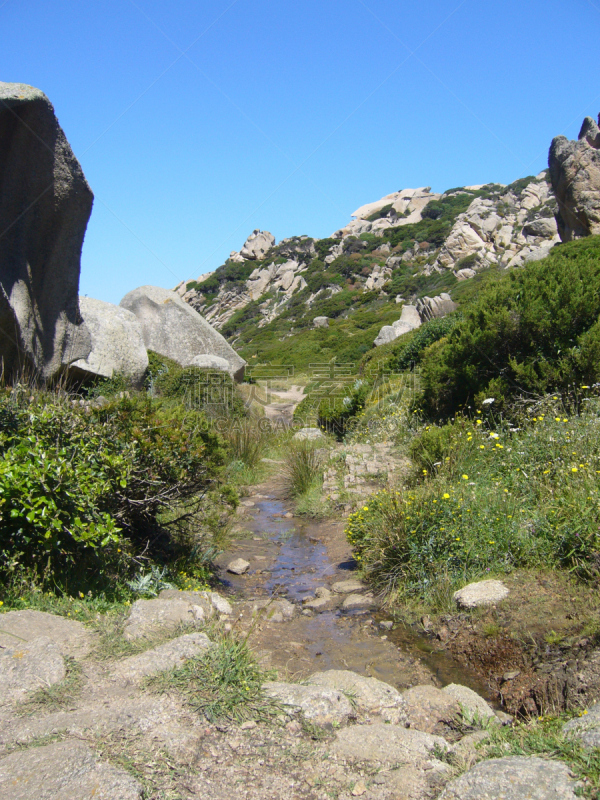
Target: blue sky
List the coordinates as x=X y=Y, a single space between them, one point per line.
x=196 y=122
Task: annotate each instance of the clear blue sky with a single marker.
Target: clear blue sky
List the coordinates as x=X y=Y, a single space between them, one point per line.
x=196 y=122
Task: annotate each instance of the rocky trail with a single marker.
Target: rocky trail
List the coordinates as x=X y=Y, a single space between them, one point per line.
x=361 y=708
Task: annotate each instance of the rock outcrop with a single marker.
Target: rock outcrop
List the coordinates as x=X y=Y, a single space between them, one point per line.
x=433 y=307
x=409 y=320
x=174 y=329
x=117 y=342
x=257 y=245
x=399 y=208
x=575 y=175
x=45 y=204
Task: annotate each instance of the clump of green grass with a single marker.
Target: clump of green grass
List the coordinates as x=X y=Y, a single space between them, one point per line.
x=247 y=442
x=302 y=467
x=487 y=500
x=225 y=683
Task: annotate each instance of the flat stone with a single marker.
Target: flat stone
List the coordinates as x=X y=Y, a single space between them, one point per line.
x=386 y=743
x=64 y=771
x=322 y=591
x=430 y=709
x=309 y=434
x=165 y=613
x=358 y=601
x=586 y=727
x=71 y=637
x=351 y=586
x=481 y=593
x=278 y=610
x=238 y=566
x=318 y=704
x=320 y=603
x=169 y=655
x=513 y=778
x=28 y=666
x=370 y=695
x=472 y=706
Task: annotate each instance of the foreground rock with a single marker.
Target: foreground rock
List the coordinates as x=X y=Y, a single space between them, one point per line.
x=586 y=728
x=64 y=771
x=18 y=627
x=45 y=204
x=481 y=593
x=117 y=342
x=371 y=696
x=513 y=778
x=472 y=706
x=26 y=667
x=575 y=175
x=162 y=615
x=169 y=655
x=318 y=704
x=238 y=566
x=309 y=434
x=174 y=329
x=430 y=709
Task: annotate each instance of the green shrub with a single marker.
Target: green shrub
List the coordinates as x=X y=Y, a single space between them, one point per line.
x=84 y=489
x=303 y=467
x=533 y=331
x=334 y=413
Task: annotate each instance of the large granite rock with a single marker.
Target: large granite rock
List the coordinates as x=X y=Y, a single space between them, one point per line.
x=513 y=778
x=27 y=666
x=117 y=342
x=409 y=320
x=45 y=204
x=433 y=307
x=174 y=329
x=64 y=771
x=575 y=176
x=481 y=593
x=370 y=695
x=319 y=704
x=257 y=245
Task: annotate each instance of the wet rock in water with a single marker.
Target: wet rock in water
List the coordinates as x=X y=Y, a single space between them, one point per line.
x=309 y=434
x=167 y=656
x=370 y=695
x=319 y=603
x=149 y=617
x=238 y=566
x=71 y=637
x=350 y=586
x=386 y=624
x=64 y=771
x=319 y=704
x=278 y=610
x=473 y=707
x=481 y=593
x=387 y=744
x=586 y=727
x=357 y=601
x=429 y=709
x=513 y=778
x=29 y=665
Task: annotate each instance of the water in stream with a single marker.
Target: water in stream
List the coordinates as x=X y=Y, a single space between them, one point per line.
x=291 y=557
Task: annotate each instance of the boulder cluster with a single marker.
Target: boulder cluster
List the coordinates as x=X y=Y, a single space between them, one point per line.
x=46 y=329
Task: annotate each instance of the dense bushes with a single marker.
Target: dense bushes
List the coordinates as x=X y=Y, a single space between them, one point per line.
x=534 y=331
x=334 y=413
x=84 y=487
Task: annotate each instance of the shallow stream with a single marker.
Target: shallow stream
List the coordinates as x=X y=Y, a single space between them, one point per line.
x=291 y=557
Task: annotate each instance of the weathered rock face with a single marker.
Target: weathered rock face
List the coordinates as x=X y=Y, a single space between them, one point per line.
x=174 y=329
x=257 y=245
x=432 y=307
x=409 y=320
x=117 y=342
x=575 y=175
x=45 y=204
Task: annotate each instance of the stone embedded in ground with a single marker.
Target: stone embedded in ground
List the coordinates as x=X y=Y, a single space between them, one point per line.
x=214 y=599
x=353 y=601
x=274 y=610
x=71 y=637
x=169 y=655
x=308 y=434
x=586 y=728
x=481 y=593
x=27 y=666
x=387 y=744
x=318 y=704
x=319 y=603
x=473 y=707
x=430 y=709
x=513 y=778
x=350 y=586
x=64 y=771
x=162 y=614
x=238 y=566
x=370 y=695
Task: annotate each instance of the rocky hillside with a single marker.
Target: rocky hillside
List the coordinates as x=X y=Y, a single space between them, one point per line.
x=410 y=247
